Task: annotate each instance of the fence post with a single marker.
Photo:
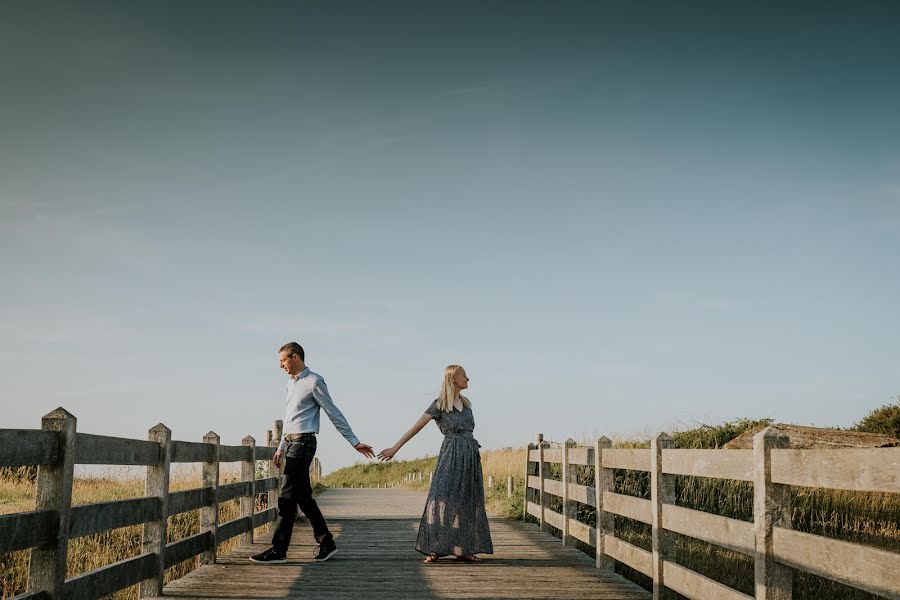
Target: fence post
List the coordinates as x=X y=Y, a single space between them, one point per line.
x=248 y=503
x=604 y=481
x=528 y=450
x=276 y=440
x=53 y=491
x=541 y=446
x=567 y=505
x=157 y=484
x=209 y=514
x=662 y=491
x=771 y=508
x=509 y=486
x=490 y=481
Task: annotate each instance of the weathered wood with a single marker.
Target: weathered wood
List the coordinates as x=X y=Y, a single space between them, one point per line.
x=568 y=508
x=88 y=519
x=533 y=454
x=553 y=518
x=264 y=485
x=263 y=453
x=604 y=483
x=22 y=530
x=185 y=500
x=635 y=459
x=187 y=547
x=628 y=506
x=234 y=454
x=21 y=447
x=729 y=533
x=232 y=528
x=32 y=596
x=154 y=539
x=637 y=558
x=209 y=514
x=248 y=474
x=266 y=516
x=553 y=487
x=662 y=492
x=581 y=455
x=691 y=584
x=111 y=578
x=191 y=452
x=528 y=450
x=543 y=470
x=509 y=486
x=552 y=455
x=533 y=509
x=870 y=569
x=93 y=449
x=731 y=464
x=229 y=491
x=582 y=493
x=771 y=509
x=854 y=469
x=582 y=532
x=53 y=492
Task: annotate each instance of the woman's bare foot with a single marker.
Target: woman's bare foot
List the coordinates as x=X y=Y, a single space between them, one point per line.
x=468 y=558
x=431 y=558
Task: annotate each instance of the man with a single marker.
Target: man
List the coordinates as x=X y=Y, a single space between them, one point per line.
x=306 y=395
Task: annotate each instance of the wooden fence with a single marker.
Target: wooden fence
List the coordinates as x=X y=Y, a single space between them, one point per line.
x=57 y=447
x=770 y=466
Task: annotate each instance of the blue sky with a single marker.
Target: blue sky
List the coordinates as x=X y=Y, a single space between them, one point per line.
x=620 y=217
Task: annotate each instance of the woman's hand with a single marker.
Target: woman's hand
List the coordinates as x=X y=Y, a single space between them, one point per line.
x=387 y=453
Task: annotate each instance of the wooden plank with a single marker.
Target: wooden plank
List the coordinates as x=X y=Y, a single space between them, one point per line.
x=111 y=578
x=534 y=482
x=209 y=514
x=553 y=518
x=582 y=532
x=186 y=500
x=729 y=533
x=635 y=459
x=22 y=447
x=627 y=506
x=694 y=585
x=93 y=449
x=604 y=481
x=854 y=469
x=22 y=530
x=534 y=455
x=266 y=516
x=581 y=455
x=88 y=519
x=264 y=485
x=722 y=464
x=553 y=487
x=234 y=490
x=32 y=596
x=553 y=455
x=232 y=528
x=771 y=508
x=662 y=492
x=533 y=509
x=870 y=569
x=582 y=493
x=264 y=453
x=187 y=547
x=191 y=452
x=234 y=453
x=637 y=558
x=156 y=484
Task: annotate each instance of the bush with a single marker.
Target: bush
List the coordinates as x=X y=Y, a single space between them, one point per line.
x=884 y=420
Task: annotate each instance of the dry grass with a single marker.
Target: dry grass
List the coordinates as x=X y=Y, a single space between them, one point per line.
x=92 y=552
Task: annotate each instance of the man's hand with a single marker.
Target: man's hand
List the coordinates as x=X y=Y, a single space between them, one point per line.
x=387 y=454
x=277 y=458
x=365 y=450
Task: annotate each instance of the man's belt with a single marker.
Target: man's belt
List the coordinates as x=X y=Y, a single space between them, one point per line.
x=293 y=437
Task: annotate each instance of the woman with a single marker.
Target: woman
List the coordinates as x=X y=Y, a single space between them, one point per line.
x=454 y=521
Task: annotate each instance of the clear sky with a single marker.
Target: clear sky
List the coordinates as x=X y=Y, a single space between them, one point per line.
x=618 y=216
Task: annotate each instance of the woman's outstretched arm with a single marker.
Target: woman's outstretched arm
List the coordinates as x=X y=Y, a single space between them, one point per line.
x=388 y=453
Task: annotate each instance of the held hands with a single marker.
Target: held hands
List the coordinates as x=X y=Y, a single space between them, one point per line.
x=365 y=449
x=387 y=454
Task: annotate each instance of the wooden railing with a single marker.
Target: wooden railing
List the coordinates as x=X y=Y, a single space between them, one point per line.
x=770 y=466
x=57 y=447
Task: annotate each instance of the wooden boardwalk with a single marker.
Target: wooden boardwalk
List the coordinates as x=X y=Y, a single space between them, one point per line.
x=375 y=530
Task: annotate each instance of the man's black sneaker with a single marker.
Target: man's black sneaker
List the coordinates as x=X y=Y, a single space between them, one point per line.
x=326 y=550
x=270 y=556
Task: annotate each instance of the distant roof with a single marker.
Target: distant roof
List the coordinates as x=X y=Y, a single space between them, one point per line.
x=802 y=437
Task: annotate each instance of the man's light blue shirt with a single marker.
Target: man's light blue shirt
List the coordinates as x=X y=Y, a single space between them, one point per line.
x=306 y=395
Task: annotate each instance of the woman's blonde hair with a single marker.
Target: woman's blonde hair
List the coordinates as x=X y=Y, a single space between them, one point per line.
x=449 y=392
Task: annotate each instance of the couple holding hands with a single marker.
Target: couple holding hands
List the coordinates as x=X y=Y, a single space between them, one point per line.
x=454 y=522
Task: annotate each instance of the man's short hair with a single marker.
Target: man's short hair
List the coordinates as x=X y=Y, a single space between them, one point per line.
x=293 y=348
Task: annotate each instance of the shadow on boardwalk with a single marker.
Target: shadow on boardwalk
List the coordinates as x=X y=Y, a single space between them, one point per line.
x=377 y=559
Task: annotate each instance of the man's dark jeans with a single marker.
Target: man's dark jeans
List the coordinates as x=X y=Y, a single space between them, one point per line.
x=297 y=491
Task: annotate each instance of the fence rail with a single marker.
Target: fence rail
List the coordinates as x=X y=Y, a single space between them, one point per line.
x=57 y=447
x=770 y=466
